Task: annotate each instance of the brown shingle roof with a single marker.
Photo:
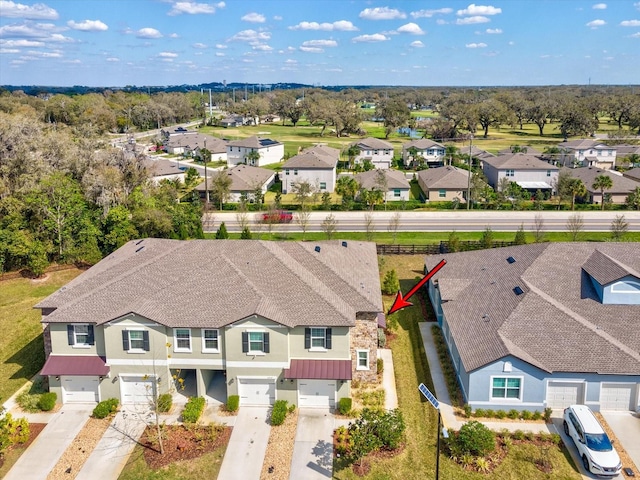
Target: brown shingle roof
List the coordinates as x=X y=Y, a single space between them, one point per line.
x=318 y=157
x=520 y=161
x=395 y=179
x=448 y=177
x=373 y=144
x=588 y=175
x=254 y=142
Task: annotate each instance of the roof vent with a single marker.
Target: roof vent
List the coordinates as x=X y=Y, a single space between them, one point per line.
x=344 y=244
x=317 y=249
x=518 y=291
x=139 y=248
x=511 y=260
x=139 y=241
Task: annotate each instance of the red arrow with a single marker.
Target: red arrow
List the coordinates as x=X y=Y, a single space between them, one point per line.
x=401 y=302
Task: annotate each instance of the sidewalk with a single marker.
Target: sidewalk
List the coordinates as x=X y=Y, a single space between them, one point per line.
x=388 y=379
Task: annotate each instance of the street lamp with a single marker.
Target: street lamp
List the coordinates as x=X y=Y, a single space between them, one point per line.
x=434 y=402
x=469 y=179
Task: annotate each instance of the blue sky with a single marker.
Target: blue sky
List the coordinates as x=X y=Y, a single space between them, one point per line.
x=323 y=42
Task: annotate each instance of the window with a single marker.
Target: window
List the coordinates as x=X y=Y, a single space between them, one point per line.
x=295 y=171
x=80 y=335
x=323 y=185
x=210 y=341
x=135 y=341
x=548 y=173
x=181 y=340
x=506 y=387
x=255 y=342
x=317 y=338
x=396 y=192
x=510 y=173
x=362 y=359
x=442 y=193
x=286 y=172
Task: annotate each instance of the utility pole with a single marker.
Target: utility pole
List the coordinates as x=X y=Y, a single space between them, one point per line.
x=469 y=179
x=206 y=179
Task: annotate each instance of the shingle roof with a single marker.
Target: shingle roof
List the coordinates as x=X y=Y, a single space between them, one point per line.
x=626 y=150
x=318 y=157
x=529 y=150
x=421 y=144
x=374 y=144
x=633 y=174
x=395 y=179
x=557 y=311
x=254 y=142
x=620 y=183
x=521 y=161
x=212 y=283
x=582 y=144
x=448 y=177
x=159 y=167
x=195 y=140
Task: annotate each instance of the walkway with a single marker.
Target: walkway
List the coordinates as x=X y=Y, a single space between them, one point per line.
x=388 y=379
x=313 y=448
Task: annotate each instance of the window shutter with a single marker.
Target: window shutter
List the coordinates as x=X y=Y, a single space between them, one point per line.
x=70 y=334
x=265 y=342
x=145 y=341
x=245 y=342
x=327 y=339
x=125 y=340
x=91 y=340
x=307 y=338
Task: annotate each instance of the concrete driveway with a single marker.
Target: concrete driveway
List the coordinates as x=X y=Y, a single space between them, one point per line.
x=313 y=448
x=626 y=427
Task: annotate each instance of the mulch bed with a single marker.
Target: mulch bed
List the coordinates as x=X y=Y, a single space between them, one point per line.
x=182 y=442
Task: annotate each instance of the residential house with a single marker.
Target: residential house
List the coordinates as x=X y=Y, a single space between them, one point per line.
x=628 y=155
x=238 y=121
x=316 y=165
x=520 y=149
x=378 y=152
x=588 y=153
x=393 y=181
x=270 y=151
x=620 y=189
x=542 y=325
x=164 y=169
x=444 y=184
x=633 y=174
x=427 y=151
x=528 y=171
x=295 y=321
x=245 y=181
x=191 y=143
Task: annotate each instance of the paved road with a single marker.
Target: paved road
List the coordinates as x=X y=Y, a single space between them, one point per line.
x=441 y=221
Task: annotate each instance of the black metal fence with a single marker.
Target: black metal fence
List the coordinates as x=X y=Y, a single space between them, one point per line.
x=436 y=248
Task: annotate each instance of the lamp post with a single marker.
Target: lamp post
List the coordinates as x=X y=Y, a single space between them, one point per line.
x=434 y=402
x=469 y=179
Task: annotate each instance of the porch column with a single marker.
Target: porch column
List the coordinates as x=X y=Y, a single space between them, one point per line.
x=201 y=388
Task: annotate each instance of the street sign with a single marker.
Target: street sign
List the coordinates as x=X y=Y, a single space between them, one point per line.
x=429 y=396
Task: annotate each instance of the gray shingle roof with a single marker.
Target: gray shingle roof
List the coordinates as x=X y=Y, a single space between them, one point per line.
x=558 y=310
x=633 y=174
x=254 y=142
x=159 y=167
x=373 y=144
x=422 y=144
x=448 y=177
x=212 y=283
x=197 y=140
x=395 y=179
x=520 y=161
x=588 y=175
x=318 y=157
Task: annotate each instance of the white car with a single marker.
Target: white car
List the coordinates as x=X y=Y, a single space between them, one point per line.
x=598 y=455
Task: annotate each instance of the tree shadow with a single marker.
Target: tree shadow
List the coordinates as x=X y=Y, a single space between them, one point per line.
x=323 y=451
x=30 y=358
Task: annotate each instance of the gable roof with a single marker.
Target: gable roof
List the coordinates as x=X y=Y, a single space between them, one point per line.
x=318 y=157
x=620 y=184
x=395 y=179
x=626 y=150
x=633 y=174
x=254 y=142
x=246 y=177
x=448 y=177
x=212 y=283
x=422 y=144
x=160 y=167
x=197 y=140
x=518 y=161
x=605 y=269
x=489 y=321
x=583 y=144
x=373 y=144
x=529 y=150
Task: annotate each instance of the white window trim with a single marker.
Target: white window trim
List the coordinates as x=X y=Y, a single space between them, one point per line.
x=254 y=352
x=358 y=366
x=135 y=350
x=506 y=399
x=618 y=286
x=204 y=343
x=75 y=339
x=175 y=341
x=324 y=339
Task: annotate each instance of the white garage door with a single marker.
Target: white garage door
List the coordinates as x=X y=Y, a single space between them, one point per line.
x=79 y=389
x=317 y=393
x=257 y=391
x=616 y=396
x=563 y=394
x=136 y=389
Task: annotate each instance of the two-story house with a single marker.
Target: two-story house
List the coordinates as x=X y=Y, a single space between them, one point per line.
x=378 y=152
x=526 y=170
x=444 y=183
x=241 y=151
x=269 y=320
x=316 y=165
x=588 y=153
x=423 y=150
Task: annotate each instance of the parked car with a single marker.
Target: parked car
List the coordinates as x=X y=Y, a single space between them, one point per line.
x=279 y=216
x=595 y=448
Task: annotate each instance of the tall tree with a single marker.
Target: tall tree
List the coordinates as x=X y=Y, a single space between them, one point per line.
x=602 y=183
x=221 y=187
x=395 y=113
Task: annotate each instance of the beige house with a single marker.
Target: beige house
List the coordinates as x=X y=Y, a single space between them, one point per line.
x=316 y=165
x=245 y=180
x=528 y=171
x=444 y=184
x=618 y=193
x=395 y=182
x=263 y=320
x=432 y=153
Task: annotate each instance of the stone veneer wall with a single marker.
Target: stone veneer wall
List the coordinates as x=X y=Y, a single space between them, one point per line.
x=364 y=336
x=46 y=333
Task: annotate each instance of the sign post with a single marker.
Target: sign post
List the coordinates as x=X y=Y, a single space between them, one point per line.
x=433 y=401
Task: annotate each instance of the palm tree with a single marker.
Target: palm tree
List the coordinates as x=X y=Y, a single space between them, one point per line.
x=253 y=156
x=352 y=152
x=575 y=188
x=451 y=151
x=602 y=183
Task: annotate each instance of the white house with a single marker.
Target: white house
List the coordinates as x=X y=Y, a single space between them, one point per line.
x=316 y=165
x=270 y=151
x=589 y=153
x=378 y=152
x=431 y=152
x=528 y=171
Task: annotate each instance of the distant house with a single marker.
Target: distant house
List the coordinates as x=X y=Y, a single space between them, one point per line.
x=316 y=165
x=520 y=149
x=432 y=153
x=621 y=186
x=237 y=121
x=588 y=153
x=444 y=183
x=191 y=143
x=245 y=180
x=270 y=151
x=633 y=174
x=624 y=152
x=397 y=186
x=164 y=169
x=528 y=171
x=378 y=152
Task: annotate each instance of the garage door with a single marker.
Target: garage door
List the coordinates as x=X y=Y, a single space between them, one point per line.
x=563 y=394
x=136 y=389
x=79 y=389
x=616 y=396
x=257 y=391
x=317 y=393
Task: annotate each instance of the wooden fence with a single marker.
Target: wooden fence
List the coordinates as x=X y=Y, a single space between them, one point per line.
x=435 y=248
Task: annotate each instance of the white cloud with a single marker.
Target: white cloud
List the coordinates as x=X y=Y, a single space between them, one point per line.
x=21 y=43
x=199 y=45
x=221 y=46
x=635 y=35
x=9 y=50
x=630 y=23
x=57 y=37
x=596 y=23
x=311 y=49
x=340 y=25
x=600 y=6
x=88 y=26
x=148 y=32
x=167 y=54
x=417 y=44
x=376 y=37
x=431 y=13
x=37 y=11
x=494 y=31
x=476 y=45
x=193 y=8
x=74 y=61
x=412 y=28
x=262 y=47
x=174 y=35
x=250 y=36
x=219 y=54
x=472 y=20
x=290 y=61
x=320 y=43
x=474 y=9
x=254 y=18
x=441 y=22
x=113 y=59
x=381 y=13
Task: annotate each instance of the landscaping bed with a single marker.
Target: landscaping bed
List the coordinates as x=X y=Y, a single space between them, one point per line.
x=12 y=453
x=277 y=459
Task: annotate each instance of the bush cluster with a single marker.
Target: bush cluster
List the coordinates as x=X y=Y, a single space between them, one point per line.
x=279 y=412
x=344 y=405
x=447 y=366
x=12 y=431
x=233 y=403
x=501 y=414
x=47 y=401
x=165 y=402
x=106 y=408
x=193 y=409
x=474 y=438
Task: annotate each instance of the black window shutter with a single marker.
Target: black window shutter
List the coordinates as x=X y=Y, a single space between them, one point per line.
x=245 y=342
x=91 y=340
x=327 y=339
x=265 y=342
x=125 y=340
x=307 y=338
x=70 y=334
x=145 y=341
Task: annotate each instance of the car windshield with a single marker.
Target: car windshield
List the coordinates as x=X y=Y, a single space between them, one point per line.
x=598 y=442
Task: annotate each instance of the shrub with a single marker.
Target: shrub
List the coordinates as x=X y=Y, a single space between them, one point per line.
x=391 y=428
x=380 y=366
x=479 y=413
x=536 y=415
x=501 y=414
x=343 y=441
x=489 y=413
x=390 y=284
x=47 y=401
x=518 y=435
x=193 y=409
x=526 y=415
x=344 y=405
x=12 y=431
x=292 y=408
x=29 y=401
x=530 y=436
x=279 y=412
x=233 y=402
x=382 y=338
x=467 y=410
x=165 y=402
x=105 y=408
x=547 y=414
x=513 y=414
x=556 y=438
x=476 y=439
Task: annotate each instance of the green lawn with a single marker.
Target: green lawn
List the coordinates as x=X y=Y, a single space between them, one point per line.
x=21 y=345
